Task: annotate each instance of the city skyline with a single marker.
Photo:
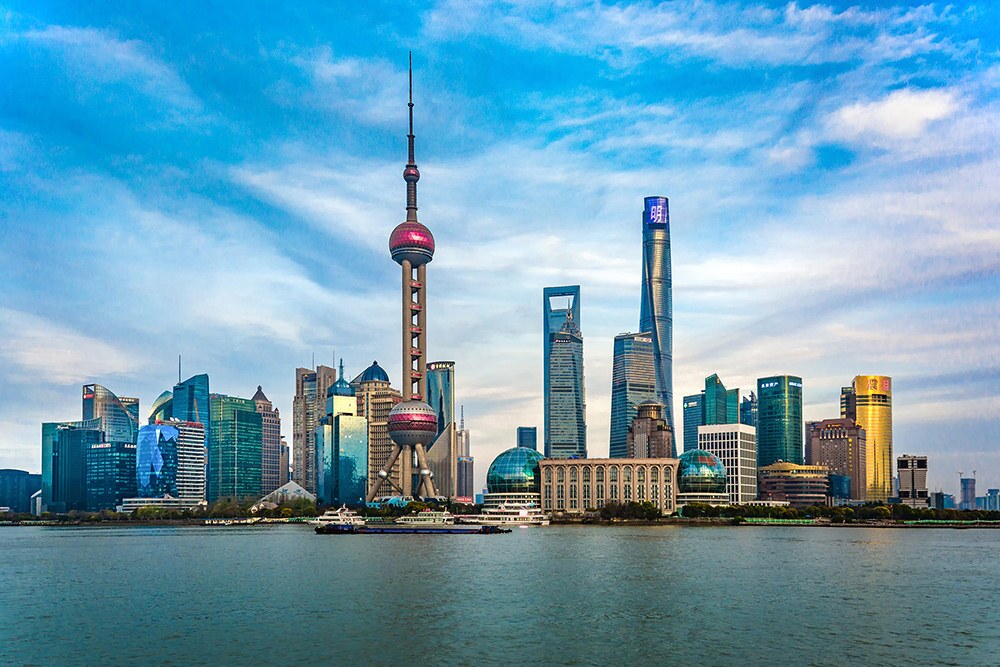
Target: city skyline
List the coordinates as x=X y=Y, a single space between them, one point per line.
x=164 y=183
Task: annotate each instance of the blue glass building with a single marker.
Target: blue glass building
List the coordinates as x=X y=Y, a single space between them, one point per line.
x=694 y=416
x=16 y=489
x=748 y=410
x=441 y=391
x=559 y=304
x=779 y=420
x=566 y=415
x=656 y=313
x=527 y=436
x=714 y=405
x=110 y=474
x=156 y=461
x=633 y=381
x=64 y=447
x=119 y=415
x=342 y=449
x=235 y=448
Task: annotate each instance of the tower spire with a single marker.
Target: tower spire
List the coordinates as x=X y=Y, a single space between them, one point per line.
x=411 y=174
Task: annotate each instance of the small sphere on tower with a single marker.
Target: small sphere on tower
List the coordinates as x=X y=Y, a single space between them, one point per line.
x=412 y=423
x=411 y=240
x=410 y=174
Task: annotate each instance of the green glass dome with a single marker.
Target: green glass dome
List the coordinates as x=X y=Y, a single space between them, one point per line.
x=515 y=471
x=701 y=472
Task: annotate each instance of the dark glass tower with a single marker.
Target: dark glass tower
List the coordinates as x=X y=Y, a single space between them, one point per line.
x=657 y=309
x=441 y=392
x=779 y=420
x=559 y=304
x=566 y=416
x=633 y=381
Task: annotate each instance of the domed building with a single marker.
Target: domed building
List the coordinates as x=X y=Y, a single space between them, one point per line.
x=514 y=477
x=701 y=478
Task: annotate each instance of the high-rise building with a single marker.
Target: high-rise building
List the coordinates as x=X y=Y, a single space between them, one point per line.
x=163 y=407
x=566 y=409
x=110 y=474
x=441 y=391
x=968 y=501
x=868 y=401
x=376 y=399
x=284 y=463
x=270 y=425
x=308 y=407
x=736 y=446
x=192 y=459
x=694 y=416
x=156 y=461
x=465 y=439
x=527 y=436
x=190 y=401
x=714 y=405
x=840 y=445
x=342 y=448
x=16 y=489
x=64 y=448
x=465 y=485
x=748 y=410
x=119 y=415
x=633 y=381
x=559 y=304
x=234 y=451
x=649 y=436
x=657 y=307
x=912 y=472
x=779 y=420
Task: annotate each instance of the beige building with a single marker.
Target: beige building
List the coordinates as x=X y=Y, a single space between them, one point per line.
x=841 y=446
x=270 y=457
x=375 y=399
x=800 y=485
x=575 y=485
x=649 y=436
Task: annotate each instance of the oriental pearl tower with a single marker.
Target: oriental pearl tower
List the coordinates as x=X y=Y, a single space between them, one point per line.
x=412 y=423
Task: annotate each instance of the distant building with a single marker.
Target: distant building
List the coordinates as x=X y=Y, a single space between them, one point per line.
x=190 y=402
x=466 y=486
x=694 y=416
x=656 y=307
x=559 y=304
x=441 y=391
x=156 y=461
x=375 y=399
x=64 y=450
x=162 y=408
x=868 y=401
x=714 y=405
x=110 y=474
x=736 y=447
x=234 y=452
x=566 y=416
x=841 y=446
x=119 y=415
x=649 y=436
x=748 y=410
x=270 y=428
x=308 y=407
x=342 y=449
x=968 y=501
x=16 y=489
x=443 y=452
x=284 y=463
x=527 y=436
x=192 y=460
x=800 y=485
x=633 y=381
x=701 y=479
x=575 y=485
x=779 y=420
x=991 y=501
x=912 y=472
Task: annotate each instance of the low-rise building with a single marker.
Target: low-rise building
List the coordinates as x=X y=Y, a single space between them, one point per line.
x=800 y=485
x=576 y=485
x=912 y=471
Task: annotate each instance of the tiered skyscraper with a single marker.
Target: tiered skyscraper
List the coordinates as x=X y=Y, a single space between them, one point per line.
x=868 y=401
x=656 y=314
x=412 y=424
x=633 y=381
x=308 y=407
x=270 y=464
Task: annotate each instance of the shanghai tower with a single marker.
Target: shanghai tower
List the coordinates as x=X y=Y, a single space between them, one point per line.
x=656 y=315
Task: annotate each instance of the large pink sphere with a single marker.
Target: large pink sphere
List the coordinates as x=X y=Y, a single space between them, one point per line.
x=412 y=423
x=412 y=241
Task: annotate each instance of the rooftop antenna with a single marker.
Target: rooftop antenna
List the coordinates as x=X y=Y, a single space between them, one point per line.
x=314 y=361
x=178 y=369
x=462 y=423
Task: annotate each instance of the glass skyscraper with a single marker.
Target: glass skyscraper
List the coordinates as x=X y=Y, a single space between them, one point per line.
x=694 y=416
x=748 y=410
x=64 y=466
x=558 y=305
x=715 y=405
x=633 y=381
x=566 y=415
x=156 y=461
x=868 y=401
x=441 y=391
x=657 y=309
x=110 y=475
x=119 y=415
x=527 y=436
x=342 y=448
x=779 y=420
x=234 y=450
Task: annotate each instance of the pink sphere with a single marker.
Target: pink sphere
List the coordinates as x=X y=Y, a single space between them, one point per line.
x=412 y=423
x=412 y=241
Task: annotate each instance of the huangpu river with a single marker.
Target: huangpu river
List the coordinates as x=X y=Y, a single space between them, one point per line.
x=561 y=595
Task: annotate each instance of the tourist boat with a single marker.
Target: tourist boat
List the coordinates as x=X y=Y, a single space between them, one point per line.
x=341 y=516
x=428 y=518
x=513 y=515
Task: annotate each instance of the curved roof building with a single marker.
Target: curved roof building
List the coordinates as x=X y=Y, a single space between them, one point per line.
x=701 y=472
x=515 y=471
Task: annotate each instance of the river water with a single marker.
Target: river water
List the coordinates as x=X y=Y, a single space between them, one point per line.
x=571 y=595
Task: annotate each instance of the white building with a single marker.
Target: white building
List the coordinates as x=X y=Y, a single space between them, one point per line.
x=191 y=460
x=736 y=447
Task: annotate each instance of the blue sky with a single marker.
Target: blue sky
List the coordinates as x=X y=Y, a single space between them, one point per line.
x=220 y=179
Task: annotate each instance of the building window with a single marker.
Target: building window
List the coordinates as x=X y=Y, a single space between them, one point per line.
x=600 y=474
x=586 y=474
x=586 y=494
x=572 y=496
x=572 y=474
x=548 y=474
x=614 y=474
x=600 y=494
x=561 y=474
x=614 y=490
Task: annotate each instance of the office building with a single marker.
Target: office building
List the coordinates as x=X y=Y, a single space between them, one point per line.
x=559 y=306
x=441 y=391
x=156 y=461
x=192 y=460
x=991 y=501
x=284 y=463
x=342 y=448
x=466 y=482
x=270 y=425
x=736 y=446
x=64 y=448
x=119 y=415
x=657 y=309
x=527 y=436
x=110 y=474
x=376 y=398
x=566 y=410
x=748 y=410
x=16 y=489
x=573 y=486
x=443 y=452
x=649 y=436
x=868 y=401
x=162 y=409
x=190 y=401
x=463 y=437
x=841 y=446
x=912 y=471
x=779 y=420
x=800 y=485
x=234 y=451
x=968 y=486
x=308 y=407
x=694 y=416
x=714 y=405
x=633 y=381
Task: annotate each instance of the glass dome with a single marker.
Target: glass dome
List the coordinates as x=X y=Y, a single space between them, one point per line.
x=701 y=472
x=515 y=471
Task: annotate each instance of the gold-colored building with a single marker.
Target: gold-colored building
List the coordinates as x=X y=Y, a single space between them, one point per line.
x=868 y=401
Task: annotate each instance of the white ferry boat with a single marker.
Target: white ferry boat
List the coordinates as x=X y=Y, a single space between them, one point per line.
x=339 y=517
x=428 y=518
x=513 y=515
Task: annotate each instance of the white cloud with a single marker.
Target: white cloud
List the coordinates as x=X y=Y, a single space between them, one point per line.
x=902 y=114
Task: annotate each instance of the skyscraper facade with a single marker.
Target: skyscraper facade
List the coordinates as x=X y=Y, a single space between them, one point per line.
x=162 y=408
x=736 y=446
x=558 y=305
x=748 y=410
x=649 y=436
x=868 y=401
x=190 y=401
x=694 y=416
x=376 y=398
x=465 y=486
x=633 y=381
x=441 y=391
x=714 y=405
x=64 y=447
x=156 y=461
x=16 y=489
x=270 y=424
x=840 y=445
x=342 y=449
x=657 y=309
x=912 y=472
x=234 y=451
x=308 y=407
x=779 y=420
x=566 y=410
x=119 y=415
x=192 y=459
x=110 y=474
x=527 y=436
x=968 y=498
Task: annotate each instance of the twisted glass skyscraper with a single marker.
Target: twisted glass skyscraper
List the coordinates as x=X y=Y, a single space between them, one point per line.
x=656 y=314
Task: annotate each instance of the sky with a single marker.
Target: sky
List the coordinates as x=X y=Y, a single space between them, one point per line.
x=219 y=180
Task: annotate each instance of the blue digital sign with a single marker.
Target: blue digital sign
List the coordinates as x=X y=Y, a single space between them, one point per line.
x=657 y=213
